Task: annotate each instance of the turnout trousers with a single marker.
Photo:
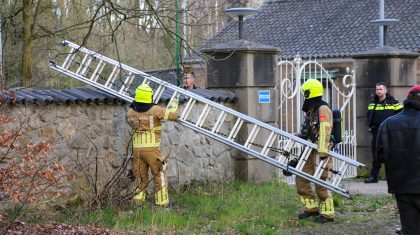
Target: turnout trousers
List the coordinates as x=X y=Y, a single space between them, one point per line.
x=308 y=198
x=143 y=160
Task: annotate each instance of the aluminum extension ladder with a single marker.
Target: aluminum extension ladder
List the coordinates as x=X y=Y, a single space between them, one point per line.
x=115 y=78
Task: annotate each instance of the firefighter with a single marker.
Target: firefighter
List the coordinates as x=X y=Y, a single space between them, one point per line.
x=319 y=118
x=145 y=117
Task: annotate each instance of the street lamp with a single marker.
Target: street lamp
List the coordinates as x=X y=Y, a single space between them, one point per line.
x=385 y=23
x=240 y=13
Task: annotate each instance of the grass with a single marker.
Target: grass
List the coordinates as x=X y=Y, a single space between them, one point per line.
x=237 y=207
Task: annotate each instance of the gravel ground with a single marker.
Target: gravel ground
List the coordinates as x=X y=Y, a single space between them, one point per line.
x=375 y=189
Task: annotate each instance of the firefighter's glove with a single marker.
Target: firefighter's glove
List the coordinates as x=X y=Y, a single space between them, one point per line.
x=173 y=105
x=322 y=156
x=293 y=163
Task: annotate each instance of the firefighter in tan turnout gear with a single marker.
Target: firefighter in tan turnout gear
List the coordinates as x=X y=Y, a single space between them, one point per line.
x=145 y=117
x=317 y=129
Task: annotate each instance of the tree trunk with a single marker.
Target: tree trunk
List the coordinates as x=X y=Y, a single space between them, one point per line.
x=28 y=44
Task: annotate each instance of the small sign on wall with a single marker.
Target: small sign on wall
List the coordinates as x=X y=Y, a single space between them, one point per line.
x=264 y=97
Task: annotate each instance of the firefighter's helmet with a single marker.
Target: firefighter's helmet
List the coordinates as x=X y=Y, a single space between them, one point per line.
x=312 y=88
x=144 y=94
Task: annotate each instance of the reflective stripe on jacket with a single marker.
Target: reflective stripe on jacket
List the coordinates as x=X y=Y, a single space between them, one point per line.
x=321 y=127
x=379 y=111
x=147 y=127
x=325 y=126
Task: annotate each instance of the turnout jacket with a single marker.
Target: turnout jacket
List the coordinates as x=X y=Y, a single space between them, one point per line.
x=321 y=125
x=398 y=145
x=146 y=125
x=379 y=111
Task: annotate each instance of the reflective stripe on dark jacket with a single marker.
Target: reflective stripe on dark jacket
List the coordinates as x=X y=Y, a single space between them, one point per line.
x=398 y=145
x=379 y=111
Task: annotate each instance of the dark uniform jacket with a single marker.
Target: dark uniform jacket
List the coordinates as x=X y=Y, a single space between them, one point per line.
x=398 y=145
x=379 y=111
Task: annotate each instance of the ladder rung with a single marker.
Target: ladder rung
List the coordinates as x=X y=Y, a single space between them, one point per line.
x=175 y=95
x=86 y=66
x=203 y=115
x=188 y=108
x=98 y=71
x=219 y=122
x=82 y=65
x=321 y=167
x=158 y=93
x=112 y=76
x=289 y=145
x=235 y=129
x=268 y=143
x=341 y=173
x=252 y=136
x=69 y=59
x=304 y=157
x=127 y=83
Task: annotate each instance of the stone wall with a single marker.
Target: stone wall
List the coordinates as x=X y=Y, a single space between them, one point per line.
x=93 y=139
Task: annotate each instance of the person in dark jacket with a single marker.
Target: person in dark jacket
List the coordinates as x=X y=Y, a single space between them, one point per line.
x=398 y=146
x=380 y=108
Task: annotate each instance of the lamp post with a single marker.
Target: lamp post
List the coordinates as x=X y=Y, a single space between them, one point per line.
x=240 y=13
x=177 y=46
x=384 y=23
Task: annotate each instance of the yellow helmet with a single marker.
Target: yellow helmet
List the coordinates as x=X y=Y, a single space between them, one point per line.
x=144 y=94
x=312 y=88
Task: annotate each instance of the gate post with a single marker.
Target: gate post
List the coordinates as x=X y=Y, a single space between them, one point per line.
x=246 y=68
x=395 y=67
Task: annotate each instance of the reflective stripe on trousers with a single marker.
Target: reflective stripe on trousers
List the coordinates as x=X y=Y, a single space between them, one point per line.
x=150 y=158
x=311 y=204
x=327 y=208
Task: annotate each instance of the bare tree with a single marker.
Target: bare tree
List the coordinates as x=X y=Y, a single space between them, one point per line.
x=141 y=32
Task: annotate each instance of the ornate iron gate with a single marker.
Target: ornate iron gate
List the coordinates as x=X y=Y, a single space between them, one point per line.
x=339 y=93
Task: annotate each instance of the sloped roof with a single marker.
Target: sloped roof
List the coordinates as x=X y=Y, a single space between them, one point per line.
x=93 y=95
x=325 y=28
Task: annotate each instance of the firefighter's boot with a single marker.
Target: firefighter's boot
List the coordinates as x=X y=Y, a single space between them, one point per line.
x=306 y=214
x=327 y=211
x=311 y=208
x=140 y=197
x=161 y=197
